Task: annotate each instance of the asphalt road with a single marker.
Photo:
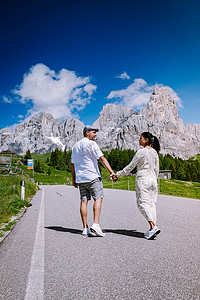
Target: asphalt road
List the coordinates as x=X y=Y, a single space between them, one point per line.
x=45 y=256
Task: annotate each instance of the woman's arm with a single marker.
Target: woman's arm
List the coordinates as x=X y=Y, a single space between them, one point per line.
x=157 y=166
x=129 y=167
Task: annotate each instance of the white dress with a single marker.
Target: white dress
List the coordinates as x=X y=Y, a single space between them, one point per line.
x=147 y=162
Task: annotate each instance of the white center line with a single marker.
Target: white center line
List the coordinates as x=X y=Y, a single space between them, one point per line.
x=35 y=286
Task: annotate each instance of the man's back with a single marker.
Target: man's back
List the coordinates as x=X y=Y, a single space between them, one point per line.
x=85 y=154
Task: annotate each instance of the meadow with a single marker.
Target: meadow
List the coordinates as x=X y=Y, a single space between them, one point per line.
x=171 y=187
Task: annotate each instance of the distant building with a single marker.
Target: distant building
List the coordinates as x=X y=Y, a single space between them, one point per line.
x=7 y=152
x=165 y=174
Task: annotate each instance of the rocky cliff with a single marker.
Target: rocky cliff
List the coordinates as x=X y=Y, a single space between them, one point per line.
x=160 y=117
x=120 y=127
x=42 y=133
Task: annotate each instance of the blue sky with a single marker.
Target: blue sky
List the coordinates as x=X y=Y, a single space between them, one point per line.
x=70 y=58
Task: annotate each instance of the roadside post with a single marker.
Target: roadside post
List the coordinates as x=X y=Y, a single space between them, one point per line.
x=30 y=165
x=22 y=183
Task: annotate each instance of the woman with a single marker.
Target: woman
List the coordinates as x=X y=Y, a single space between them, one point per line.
x=147 y=162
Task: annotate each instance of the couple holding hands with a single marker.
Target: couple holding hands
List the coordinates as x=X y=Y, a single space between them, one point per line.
x=86 y=176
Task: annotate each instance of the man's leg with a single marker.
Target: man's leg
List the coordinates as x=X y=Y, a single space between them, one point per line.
x=96 y=190
x=97 y=210
x=95 y=228
x=83 y=211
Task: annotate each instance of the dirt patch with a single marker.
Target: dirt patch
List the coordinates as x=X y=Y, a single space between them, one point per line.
x=171 y=182
x=189 y=184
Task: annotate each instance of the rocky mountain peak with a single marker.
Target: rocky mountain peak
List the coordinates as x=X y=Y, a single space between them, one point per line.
x=161 y=107
x=120 y=127
x=113 y=114
x=41 y=118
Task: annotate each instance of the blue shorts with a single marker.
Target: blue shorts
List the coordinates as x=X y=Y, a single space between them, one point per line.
x=93 y=188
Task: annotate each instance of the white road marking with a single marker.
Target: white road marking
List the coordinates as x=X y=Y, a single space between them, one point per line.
x=35 y=287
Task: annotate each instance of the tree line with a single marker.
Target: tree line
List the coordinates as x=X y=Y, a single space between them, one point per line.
x=186 y=170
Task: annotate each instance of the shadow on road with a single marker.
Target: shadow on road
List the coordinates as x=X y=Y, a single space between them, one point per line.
x=60 y=228
x=133 y=233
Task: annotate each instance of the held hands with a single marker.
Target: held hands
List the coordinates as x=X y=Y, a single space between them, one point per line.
x=113 y=177
x=75 y=184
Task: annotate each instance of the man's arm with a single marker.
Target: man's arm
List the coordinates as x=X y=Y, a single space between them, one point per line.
x=107 y=165
x=73 y=176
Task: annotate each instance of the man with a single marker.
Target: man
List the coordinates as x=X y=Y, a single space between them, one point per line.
x=86 y=175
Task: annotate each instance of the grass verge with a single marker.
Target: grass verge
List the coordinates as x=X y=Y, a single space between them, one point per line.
x=10 y=197
x=57 y=177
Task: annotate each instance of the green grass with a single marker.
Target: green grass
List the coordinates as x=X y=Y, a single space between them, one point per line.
x=170 y=187
x=179 y=188
x=124 y=183
x=41 y=157
x=166 y=187
x=197 y=157
x=10 y=196
x=57 y=177
x=9 y=226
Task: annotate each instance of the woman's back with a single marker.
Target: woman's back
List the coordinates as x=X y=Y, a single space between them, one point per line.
x=147 y=161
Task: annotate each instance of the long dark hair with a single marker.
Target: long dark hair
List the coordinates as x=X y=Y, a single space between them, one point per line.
x=153 y=141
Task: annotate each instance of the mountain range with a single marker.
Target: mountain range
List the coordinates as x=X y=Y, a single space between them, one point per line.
x=119 y=127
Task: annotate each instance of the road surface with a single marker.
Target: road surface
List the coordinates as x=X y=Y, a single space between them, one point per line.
x=45 y=256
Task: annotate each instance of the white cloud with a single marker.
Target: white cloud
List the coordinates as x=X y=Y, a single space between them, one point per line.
x=137 y=94
x=6 y=99
x=123 y=76
x=59 y=93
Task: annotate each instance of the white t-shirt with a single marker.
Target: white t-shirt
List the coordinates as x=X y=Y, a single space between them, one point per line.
x=85 y=155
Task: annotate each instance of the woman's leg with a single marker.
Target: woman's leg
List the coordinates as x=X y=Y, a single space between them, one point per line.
x=143 y=200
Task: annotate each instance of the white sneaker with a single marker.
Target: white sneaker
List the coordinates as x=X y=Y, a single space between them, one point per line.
x=86 y=231
x=152 y=233
x=146 y=233
x=95 y=228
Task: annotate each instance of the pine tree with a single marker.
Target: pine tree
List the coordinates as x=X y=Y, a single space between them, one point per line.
x=28 y=155
x=49 y=171
x=61 y=163
x=54 y=158
x=67 y=159
x=37 y=166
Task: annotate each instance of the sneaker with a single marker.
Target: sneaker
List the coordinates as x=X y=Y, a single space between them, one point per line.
x=146 y=233
x=97 y=230
x=152 y=233
x=86 y=231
